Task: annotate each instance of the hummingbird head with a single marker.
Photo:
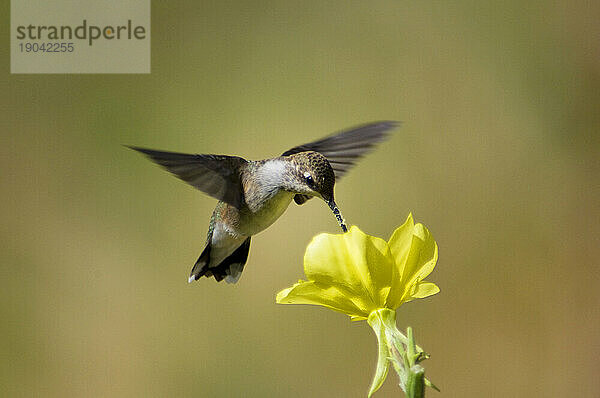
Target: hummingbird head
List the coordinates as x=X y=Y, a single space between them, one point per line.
x=314 y=176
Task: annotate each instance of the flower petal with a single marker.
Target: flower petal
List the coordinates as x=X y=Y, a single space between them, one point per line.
x=428 y=255
x=425 y=289
x=356 y=264
x=400 y=242
x=309 y=292
x=415 y=253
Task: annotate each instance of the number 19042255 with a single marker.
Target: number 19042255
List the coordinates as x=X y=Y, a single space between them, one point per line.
x=50 y=47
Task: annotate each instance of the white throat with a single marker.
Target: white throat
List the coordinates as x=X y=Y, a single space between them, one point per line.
x=270 y=173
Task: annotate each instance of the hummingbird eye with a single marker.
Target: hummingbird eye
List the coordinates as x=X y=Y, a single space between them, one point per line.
x=309 y=180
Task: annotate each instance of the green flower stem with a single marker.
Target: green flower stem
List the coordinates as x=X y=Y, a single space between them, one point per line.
x=399 y=350
x=381 y=370
x=415 y=387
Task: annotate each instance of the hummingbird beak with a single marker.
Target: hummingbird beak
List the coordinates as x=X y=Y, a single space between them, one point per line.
x=337 y=214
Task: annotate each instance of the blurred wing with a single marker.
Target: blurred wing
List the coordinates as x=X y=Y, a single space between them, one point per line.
x=215 y=175
x=343 y=149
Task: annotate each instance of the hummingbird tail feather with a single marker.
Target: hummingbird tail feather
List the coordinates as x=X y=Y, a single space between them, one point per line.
x=229 y=269
x=201 y=267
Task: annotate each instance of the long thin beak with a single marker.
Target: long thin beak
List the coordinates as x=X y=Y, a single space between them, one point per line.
x=338 y=215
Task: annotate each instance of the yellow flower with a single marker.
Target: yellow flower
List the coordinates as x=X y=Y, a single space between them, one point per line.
x=357 y=274
x=368 y=278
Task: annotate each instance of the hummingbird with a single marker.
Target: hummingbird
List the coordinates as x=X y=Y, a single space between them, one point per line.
x=253 y=194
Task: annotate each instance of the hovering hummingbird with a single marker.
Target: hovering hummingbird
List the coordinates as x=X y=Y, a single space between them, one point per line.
x=253 y=194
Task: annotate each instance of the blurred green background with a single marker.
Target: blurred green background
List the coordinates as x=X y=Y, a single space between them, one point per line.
x=498 y=156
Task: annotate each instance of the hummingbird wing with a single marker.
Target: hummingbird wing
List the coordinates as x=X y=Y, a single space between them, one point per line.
x=215 y=175
x=344 y=148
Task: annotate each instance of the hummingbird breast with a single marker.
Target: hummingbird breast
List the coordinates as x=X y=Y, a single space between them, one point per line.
x=253 y=221
x=265 y=198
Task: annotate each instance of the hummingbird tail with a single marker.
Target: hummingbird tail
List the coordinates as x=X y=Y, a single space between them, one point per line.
x=229 y=269
x=201 y=267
